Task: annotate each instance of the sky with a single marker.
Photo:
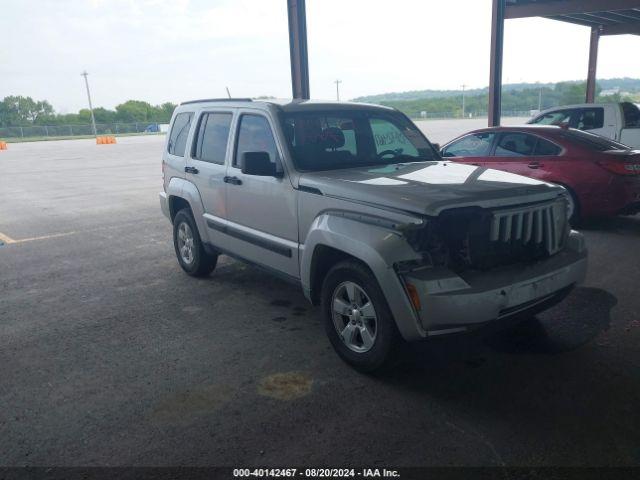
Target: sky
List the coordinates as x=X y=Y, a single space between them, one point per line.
x=176 y=50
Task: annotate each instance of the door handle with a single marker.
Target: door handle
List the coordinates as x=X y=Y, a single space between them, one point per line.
x=232 y=180
x=193 y=170
x=534 y=165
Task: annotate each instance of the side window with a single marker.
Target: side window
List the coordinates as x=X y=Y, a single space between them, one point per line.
x=474 y=145
x=631 y=115
x=389 y=137
x=589 y=118
x=179 y=133
x=547 y=149
x=213 y=134
x=254 y=135
x=554 y=118
x=515 y=145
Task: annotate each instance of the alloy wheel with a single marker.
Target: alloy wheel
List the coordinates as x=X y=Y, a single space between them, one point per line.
x=354 y=317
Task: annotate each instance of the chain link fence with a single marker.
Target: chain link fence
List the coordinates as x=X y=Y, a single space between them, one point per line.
x=469 y=114
x=45 y=131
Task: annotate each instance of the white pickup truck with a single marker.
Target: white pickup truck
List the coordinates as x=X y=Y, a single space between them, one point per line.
x=617 y=121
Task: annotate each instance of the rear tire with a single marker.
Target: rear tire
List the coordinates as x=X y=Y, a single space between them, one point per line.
x=192 y=257
x=357 y=319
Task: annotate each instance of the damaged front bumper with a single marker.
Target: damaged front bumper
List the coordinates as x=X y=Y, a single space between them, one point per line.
x=450 y=303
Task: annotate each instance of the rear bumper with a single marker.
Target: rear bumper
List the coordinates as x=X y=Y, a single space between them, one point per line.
x=452 y=303
x=621 y=195
x=164 y=204
x=628 y=193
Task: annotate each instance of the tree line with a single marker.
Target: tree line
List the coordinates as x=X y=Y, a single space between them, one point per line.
x=18 y=111
x=563 y=93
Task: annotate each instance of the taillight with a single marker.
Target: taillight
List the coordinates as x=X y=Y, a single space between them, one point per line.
x=620 y=168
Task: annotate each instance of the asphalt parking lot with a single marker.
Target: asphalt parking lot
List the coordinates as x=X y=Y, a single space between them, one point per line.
x=110 y=355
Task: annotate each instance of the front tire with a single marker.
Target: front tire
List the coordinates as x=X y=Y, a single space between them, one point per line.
x=357 y=319
x=192 y=257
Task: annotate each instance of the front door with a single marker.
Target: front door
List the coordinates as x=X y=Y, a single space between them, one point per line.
x=473 y=149
x=262 y=211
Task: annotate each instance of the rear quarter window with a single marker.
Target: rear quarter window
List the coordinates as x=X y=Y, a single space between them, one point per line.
x=179 y=134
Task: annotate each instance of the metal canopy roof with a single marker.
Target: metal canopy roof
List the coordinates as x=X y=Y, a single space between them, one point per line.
x=611 y=17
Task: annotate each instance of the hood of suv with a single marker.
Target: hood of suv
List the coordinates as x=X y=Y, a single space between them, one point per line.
x=429 y=187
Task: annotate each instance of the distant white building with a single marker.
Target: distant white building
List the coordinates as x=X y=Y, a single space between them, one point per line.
x=610 y=91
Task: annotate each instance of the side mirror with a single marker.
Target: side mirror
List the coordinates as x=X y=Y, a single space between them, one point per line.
x=436 y=146
x=258 y=163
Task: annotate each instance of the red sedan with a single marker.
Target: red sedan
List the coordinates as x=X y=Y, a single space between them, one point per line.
x=602 y=176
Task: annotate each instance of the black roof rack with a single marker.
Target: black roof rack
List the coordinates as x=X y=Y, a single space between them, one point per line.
x=218 y=100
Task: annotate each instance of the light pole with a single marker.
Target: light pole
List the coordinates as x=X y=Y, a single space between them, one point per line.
x=93 y=120
x=463 y=87
x=338 y=82
x=540 y=100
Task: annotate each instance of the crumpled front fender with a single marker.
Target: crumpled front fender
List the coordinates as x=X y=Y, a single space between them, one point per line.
x=377 y=246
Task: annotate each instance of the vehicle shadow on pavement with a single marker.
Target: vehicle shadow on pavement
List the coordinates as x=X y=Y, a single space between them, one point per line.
x=516 y=390
x=567 y=326
x=580 y=318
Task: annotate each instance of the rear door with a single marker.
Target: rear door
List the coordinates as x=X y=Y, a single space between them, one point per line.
x=207 y=164
x=512 y=152
x=262 y=211
x=529 y=155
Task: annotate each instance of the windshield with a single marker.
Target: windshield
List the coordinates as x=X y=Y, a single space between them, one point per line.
x=337 y=139
x=591 y=141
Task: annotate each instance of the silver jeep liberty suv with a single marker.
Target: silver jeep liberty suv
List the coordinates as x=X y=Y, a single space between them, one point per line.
x=352 y=202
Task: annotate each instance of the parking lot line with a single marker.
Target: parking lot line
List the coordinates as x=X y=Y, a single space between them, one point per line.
x=44 y=237
x=6 y=239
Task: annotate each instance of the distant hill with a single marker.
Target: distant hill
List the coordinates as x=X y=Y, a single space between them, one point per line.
x=631 y=85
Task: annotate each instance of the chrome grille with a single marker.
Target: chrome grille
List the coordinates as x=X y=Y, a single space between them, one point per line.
x=540 y=224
